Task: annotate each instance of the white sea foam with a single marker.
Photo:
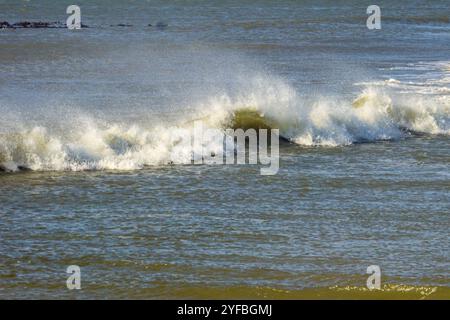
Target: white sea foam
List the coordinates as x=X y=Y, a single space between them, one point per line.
x=379 y=112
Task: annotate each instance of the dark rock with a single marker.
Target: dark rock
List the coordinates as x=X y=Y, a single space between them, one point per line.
x=36 y=25
x=41 y=25
x=4 y=25
x=122 y=25
x=23 y=24
x=161 y=25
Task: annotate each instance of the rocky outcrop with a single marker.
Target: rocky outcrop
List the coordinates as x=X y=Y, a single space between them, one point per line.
x=59 y=25
x=34 y=25
x=4 y=25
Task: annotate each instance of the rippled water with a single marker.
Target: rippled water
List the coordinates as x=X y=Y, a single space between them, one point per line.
x=364 y=182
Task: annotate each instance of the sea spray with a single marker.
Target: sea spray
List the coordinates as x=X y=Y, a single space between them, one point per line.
x=375 y=114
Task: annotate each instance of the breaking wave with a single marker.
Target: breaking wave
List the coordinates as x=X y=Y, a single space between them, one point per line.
x=378 y=112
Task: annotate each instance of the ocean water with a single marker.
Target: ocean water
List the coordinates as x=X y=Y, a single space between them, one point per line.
x=87 y=120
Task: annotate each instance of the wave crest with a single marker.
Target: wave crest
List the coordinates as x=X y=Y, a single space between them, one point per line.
x=376 y=114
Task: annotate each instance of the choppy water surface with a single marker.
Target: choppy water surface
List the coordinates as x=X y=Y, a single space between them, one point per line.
x=92 y=114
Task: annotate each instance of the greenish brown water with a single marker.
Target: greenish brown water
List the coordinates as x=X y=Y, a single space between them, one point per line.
x=364 y=182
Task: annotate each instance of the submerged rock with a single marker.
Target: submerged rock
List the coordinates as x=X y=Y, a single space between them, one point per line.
x=121 y=25
x=161 y=25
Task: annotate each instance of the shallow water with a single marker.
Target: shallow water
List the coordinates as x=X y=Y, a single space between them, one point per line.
x=91 y=113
